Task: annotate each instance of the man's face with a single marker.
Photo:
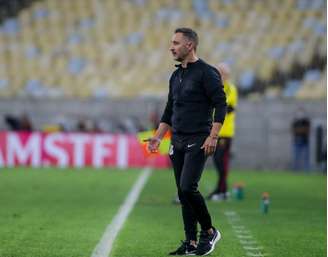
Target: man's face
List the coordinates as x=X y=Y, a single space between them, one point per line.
x=180 y=47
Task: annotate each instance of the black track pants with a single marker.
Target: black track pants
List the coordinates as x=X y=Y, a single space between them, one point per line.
x=188 y=163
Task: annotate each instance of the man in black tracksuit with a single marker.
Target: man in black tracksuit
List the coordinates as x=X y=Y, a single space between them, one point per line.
x=195 y=90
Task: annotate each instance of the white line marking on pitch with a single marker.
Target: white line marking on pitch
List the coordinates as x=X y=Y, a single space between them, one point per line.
x=245 y=232
x=245 y=237
x=105 y=244
x=253 y=248
x=246 y=242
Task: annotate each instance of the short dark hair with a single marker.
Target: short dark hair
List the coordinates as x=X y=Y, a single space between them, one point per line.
x=190 y=34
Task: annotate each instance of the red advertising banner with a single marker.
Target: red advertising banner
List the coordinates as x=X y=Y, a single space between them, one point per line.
x=75 y=150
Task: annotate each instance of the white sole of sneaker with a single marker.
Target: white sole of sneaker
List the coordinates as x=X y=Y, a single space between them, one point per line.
x=213 y=245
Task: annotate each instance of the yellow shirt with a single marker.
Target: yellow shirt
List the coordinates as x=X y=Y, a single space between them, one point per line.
x=228 y=128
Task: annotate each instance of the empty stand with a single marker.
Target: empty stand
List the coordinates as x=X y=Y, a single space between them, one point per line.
x=119 y=48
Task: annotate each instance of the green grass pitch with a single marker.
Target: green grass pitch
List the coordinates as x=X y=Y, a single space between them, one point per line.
x=63 y=213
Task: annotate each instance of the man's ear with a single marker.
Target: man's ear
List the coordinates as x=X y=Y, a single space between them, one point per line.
x=190 y=45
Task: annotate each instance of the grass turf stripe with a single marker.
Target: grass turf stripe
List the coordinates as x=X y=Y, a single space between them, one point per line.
x=105 y=244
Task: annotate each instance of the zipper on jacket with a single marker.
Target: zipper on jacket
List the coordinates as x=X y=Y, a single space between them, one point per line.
x=182 y=73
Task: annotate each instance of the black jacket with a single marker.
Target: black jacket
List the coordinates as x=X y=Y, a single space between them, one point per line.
x=194 y=92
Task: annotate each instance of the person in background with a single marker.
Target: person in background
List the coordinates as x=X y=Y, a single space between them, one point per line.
x=81 y=126
x=221 y=156
x=22 y=123
x=154 y=118
x=301 y=126
x=25 y=123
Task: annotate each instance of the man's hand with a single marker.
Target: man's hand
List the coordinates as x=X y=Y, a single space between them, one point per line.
x=153 y=144
x=209 y=145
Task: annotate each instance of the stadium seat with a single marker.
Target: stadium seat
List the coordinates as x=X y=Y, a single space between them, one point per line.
x=118 y=48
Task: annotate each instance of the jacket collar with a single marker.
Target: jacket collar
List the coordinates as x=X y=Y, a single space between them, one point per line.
x=189 y=64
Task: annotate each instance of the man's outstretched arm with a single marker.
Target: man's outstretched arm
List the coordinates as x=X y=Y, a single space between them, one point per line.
x=154 y=142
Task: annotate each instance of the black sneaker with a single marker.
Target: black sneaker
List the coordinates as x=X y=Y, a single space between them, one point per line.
x=184 y=249
x=207 y=242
